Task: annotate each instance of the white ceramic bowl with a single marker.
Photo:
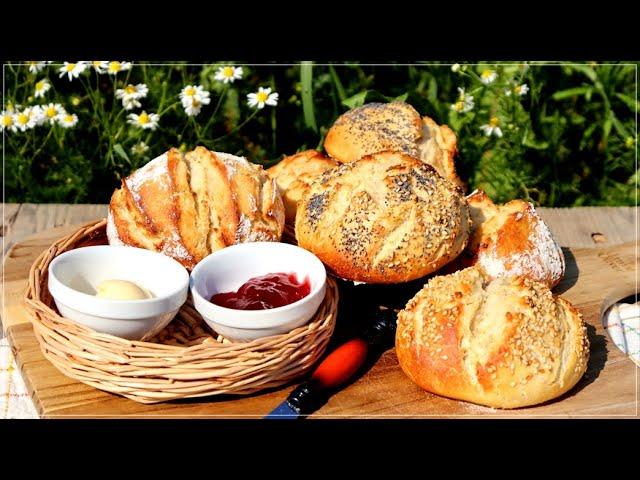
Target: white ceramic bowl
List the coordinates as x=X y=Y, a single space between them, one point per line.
x=74 y=276
x=227 y=269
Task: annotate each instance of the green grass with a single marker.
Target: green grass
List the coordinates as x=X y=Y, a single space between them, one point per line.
x=570 y=140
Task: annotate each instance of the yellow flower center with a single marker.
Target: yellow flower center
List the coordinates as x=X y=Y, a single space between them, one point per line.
x=97 y=63
x=51 y=112
x=68 y=118
x=195 y=104
x=143 y=119
x=517 y=89
x=75 y=101
x=190 y=91
x=32 y=63
x=40 y=85
x=494 y=122
x=262 y=97
x=227 y=72
x=7 y=121
x=23 y=119
x=487 y=74
x=114 y=66
x=130 y=89
x=459 y=106
x=70 y=67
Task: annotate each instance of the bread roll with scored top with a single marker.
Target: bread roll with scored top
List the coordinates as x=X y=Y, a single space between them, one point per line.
x=503 y=343
x=295 y=173
x=386 y=218
x=395 y=126
x=511 y=239
x=190 y=206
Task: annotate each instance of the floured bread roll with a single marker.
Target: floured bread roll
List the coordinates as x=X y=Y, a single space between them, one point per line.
x=189 y=206
x=395 y=126
x=386 y=218
x=294 y=174
x=503 y=343
x=511 y=239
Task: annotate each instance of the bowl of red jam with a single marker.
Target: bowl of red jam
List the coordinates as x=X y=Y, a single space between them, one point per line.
x=258 y=289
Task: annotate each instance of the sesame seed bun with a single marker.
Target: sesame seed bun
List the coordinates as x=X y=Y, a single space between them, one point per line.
x=503 y=343
x=395 y=126
x=386 y=218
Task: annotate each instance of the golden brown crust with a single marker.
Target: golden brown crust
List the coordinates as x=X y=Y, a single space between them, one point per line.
x=295 y=173
x=511 y=239
x=503 y=343
x=189 y=207
x=395 y=126
x=386 y=218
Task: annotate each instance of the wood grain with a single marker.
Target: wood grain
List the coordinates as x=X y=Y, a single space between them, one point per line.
x=594 y=275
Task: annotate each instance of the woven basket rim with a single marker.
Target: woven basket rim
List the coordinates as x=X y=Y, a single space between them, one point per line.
x=76 y=349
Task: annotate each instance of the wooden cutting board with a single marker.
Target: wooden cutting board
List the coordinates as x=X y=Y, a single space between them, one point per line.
x=595 y=279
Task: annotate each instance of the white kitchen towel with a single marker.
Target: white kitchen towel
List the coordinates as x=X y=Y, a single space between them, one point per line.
x=15 y=401
x=622 y=321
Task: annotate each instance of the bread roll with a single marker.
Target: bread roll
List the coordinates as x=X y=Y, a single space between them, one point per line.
x=395 y=126
x=294 y=174
x=386 y=218
x=511 y=239
x=190 y=206
x=503 y=343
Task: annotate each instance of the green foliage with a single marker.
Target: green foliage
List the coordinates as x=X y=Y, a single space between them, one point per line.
x=568 y=138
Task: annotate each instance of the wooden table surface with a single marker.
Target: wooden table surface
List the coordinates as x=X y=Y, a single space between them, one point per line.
x=581 y=227
x=590 y=233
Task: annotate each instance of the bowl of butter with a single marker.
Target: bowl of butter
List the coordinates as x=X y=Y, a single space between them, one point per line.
x=127 y=292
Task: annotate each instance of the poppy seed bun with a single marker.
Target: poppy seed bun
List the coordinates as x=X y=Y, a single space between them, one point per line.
x=294 y=174
x=395 y=126
x=511 y=240
x=386 y=218
x=503 y=343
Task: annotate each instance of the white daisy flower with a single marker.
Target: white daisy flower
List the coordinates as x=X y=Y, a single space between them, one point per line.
x=492 y=128
x=130 y=95
x=139 y=148
x=35 y=67
x=26 y=119
x=228 y=74
x=6 y=121
x=38 y=114
x=52 y=111
x=465 y=102
x=144 y=120
x=72 y=70
x=42 y=87
x=262 y=97
x=67 y=120
x=100 y=66
x=488 y=76
x=114 y=67
x=193 y=108
x=194 y=92
x=521 y=89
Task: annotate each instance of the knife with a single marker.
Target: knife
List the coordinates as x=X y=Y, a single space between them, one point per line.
x=338 y=367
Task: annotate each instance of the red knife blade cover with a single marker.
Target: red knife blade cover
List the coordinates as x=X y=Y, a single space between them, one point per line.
x=341 y=364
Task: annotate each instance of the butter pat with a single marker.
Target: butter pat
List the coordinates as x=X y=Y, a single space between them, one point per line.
x=121 y=290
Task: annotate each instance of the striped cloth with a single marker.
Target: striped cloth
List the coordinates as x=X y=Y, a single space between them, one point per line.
x=15 y=401
x=622 y=322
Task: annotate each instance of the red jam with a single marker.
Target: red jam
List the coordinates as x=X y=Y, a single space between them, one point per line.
x=267 y=291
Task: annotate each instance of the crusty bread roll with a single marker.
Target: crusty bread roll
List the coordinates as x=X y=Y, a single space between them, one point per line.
x=189 y=206
x=294 y=174
x=386 y=218
x=503 y=343
x=511 y=239
x=395 y=126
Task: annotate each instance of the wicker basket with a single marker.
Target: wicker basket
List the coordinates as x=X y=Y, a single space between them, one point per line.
x=185 y=360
